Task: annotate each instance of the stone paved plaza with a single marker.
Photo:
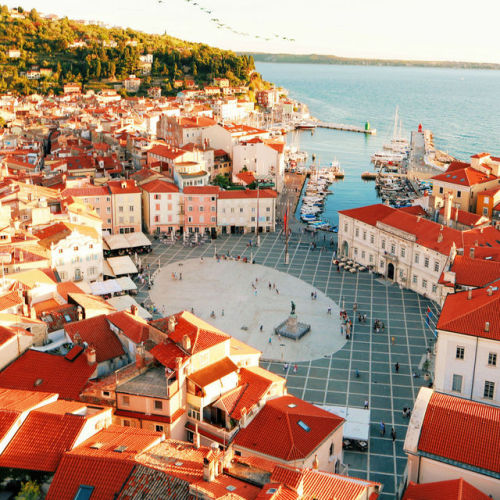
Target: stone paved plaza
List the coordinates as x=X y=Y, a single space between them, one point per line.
x=331 y=379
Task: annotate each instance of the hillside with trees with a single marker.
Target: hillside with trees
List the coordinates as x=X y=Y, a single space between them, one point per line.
x=64 y=50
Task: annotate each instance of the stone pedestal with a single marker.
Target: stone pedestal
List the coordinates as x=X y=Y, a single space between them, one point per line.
x=292 y=328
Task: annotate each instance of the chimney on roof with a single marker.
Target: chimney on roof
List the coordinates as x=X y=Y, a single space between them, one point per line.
x=134 y=311
x=209 y=468
x=440 y=236
x=489 y=291
x=315 y=462
x=186 y=343
x=79 y=311
x=172 y=322
x=196 y=437
x=20 y=256
x=91 y=355
x=487 y=326
x=471 y=252
x=469 y=295
x=140 y=356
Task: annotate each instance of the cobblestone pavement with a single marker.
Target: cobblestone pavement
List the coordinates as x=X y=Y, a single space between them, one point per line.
x=332 y=379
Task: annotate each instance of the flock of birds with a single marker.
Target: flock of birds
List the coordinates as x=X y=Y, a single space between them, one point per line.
x=223 y=26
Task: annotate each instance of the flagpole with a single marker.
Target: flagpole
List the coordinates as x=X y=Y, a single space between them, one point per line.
x=287 y=257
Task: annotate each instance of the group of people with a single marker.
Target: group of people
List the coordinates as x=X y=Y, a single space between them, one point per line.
x=382 y=431
x=378 y=326
x=345 y=325
x=286 y=366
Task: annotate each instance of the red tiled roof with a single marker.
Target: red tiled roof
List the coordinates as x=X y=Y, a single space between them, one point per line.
x=246 y=177
x=250 y=391
x=414 y=210
x=463 y=431
x=42 y=440
x=248 y=193
x=97 y=333
x=324 y=486
x=475 y=272
x=467 y=176
x=135 y=440
x=166 y=151
x=7 y=419
x=67 y=287
x=454 y=489
x=87 y=191
x=6 y=334
x=469 y=316
x=201 y=334
x=160 y=186
x=133 y=327
x=370 y=214
x=9 y=300
x=55 y=373
x=167 y=353
x=465 y=218
x=428 y=233
x=281 y=417
x=213 y=372
x=130 y=187
x=202 y=190
x=106 y=475
x=19 y=400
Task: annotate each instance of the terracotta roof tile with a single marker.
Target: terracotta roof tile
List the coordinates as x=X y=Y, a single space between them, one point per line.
x=463 y=431
x=213 y=372
x=105 y=475
x=10 y=299
x=133 y=327
x=475 y=272
x=43 y=372
x=41 y=441
x=455 y=489
x=167 y=353
x=469 y=316
x=302 y=427
x=248 y=193
x=19 y=400
x=97 y=333
x=201 y=334
x=160 y=186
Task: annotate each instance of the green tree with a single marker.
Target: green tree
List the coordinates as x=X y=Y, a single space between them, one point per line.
x=29 y=491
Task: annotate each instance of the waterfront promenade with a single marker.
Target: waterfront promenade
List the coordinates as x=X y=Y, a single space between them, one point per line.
x=330 y=378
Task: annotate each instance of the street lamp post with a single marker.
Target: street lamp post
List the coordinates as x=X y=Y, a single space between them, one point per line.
x=257 y=239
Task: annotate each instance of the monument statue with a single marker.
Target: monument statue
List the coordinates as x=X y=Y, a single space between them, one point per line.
x=293 y=307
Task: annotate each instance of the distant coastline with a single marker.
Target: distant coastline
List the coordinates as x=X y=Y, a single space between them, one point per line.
x=330 y=59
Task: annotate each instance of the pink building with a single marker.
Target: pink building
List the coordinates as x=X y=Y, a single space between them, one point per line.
x=200 y=209
x=98 y=197
x=126 y=206
x=162 y=206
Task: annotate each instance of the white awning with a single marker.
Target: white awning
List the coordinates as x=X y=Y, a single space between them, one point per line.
x=105 y=287
x=137 y=240
x=106 y=269
x=123 y=303
x=357 y=421
x=126 y=283
x=122 y=265
x=116 y=241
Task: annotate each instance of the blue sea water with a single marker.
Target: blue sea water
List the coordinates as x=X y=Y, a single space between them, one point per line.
x=461 y=107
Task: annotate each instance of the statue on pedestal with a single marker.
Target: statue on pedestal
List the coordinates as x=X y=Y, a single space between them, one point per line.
x=293 y=307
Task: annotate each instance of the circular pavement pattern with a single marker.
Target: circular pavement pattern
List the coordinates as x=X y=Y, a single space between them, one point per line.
x=225 y=288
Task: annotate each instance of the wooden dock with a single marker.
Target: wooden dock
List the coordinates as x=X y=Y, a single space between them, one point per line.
x=347 y=128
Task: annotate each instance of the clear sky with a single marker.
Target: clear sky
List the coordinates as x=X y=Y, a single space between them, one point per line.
x=390 y=29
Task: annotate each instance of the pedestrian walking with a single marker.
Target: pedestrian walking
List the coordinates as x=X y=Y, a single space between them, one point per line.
x=180 y=276
x=270 y=340
x=396 y=366
x=405 y=412
x=261 y=327
x=393 y=340
x=357 y=373
x=222 y=314
x=285 y=367
x=330 y=310
x=295 y=368
x=393 y=434
x=366 y=404
x=382 y=428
